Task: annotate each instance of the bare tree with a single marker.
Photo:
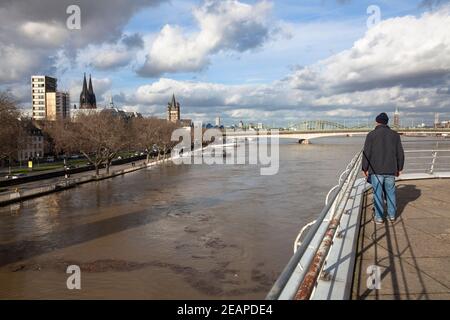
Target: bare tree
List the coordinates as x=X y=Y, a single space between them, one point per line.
x=11 y=132
x=117 y=132
x=151 y=132
x=57 y=135
x=164 y=135
x=145 y=131
x=99 y=136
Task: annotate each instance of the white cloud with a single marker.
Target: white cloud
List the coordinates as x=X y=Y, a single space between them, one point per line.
x=249 y=114
x=405 y=51
x=224 y=25
x=205 y=94
x=346 y=113
x=43 y=34
x=402 y=62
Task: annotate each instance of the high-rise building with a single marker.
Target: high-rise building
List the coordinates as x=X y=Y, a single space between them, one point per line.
x=40 y=86
x=87 y=95
x=58 y=105
x=217 y=121
x=173 y=110
x=436 y=120
x=396 y=118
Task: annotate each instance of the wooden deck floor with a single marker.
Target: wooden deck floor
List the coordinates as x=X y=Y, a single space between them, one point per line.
x=413 y=255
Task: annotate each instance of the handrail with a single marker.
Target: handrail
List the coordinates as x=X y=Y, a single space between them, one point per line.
x=306 y=287
x=433 y=156
x=426 y=150
x=282 y=280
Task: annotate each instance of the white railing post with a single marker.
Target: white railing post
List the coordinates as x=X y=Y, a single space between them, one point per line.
x=433 y=162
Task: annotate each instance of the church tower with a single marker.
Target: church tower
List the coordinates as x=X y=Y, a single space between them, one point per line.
x=173 y=110
x=87 y=96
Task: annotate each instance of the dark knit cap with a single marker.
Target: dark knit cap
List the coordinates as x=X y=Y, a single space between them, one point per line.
x=382 y=118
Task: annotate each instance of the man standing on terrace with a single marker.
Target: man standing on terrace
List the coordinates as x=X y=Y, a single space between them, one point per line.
x=382 y=161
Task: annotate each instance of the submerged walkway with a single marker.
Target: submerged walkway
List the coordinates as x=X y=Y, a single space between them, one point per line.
x=414 y=253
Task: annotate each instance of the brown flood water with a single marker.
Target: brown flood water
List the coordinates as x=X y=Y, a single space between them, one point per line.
x=170 y=232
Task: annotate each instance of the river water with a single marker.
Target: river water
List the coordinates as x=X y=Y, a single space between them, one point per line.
x=172 y=231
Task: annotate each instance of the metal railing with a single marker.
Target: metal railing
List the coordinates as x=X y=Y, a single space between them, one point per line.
x=427 y=160
x=322 y=228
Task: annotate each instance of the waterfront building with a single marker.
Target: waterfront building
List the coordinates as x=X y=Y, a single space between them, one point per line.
x=33 y=144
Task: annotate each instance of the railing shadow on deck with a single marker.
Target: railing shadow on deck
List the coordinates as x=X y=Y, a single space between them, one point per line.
x=386 y=238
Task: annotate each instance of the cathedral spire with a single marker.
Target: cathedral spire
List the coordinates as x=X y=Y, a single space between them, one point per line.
x=91 y=91
x=84 y=83
x=84 y=95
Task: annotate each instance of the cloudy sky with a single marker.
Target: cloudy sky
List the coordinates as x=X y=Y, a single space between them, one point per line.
x=276 y=62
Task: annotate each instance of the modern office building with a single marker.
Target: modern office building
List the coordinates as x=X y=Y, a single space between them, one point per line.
x=40 y=86
x=47 y=102
x=58 y=105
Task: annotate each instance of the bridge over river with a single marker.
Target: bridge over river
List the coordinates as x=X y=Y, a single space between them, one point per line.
x=303 y=136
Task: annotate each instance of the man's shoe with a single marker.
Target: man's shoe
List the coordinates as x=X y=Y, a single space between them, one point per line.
x=378 y=221
x=392 y=220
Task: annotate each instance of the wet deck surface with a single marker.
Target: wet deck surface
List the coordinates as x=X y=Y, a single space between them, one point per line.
x=414 y=253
